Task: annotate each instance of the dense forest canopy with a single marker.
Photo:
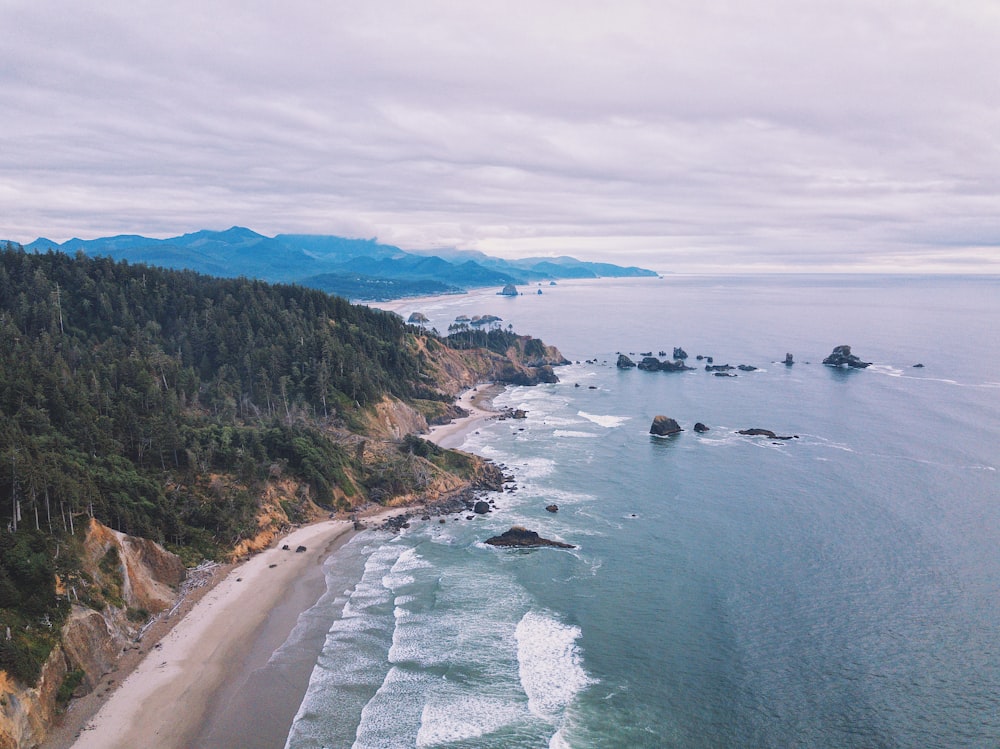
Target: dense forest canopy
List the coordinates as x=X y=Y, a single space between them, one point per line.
x=113 y=377
x=168 y=404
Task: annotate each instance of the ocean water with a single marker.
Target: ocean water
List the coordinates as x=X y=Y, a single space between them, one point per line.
x=841 y=589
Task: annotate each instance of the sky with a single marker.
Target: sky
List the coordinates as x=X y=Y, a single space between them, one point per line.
x=716 y=135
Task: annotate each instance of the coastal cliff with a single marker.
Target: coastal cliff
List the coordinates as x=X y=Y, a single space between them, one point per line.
x=129 y=576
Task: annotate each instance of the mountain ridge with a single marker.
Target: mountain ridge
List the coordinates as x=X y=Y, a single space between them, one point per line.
x=359 y=269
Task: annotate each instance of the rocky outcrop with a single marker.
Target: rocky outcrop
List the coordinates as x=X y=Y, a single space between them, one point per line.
x=841 y=356
x=755 y=432
x=417 y=318
x=624 y=362
x=679 y=353
x=664 y=426
x=652 y=364
x=528 y=361
x=700 y=428
x=522 y=538
x=789 y=361
x=508 y=290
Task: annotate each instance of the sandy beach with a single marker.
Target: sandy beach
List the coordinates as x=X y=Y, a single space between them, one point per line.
x=478 y=401
x=179 y=692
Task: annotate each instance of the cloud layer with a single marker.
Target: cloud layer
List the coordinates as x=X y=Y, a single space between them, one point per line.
x=774 y=135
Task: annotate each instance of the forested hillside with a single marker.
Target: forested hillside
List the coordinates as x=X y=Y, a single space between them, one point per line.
x=163 y=403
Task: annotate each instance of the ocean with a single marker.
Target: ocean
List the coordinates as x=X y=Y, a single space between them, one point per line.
x=838 y=589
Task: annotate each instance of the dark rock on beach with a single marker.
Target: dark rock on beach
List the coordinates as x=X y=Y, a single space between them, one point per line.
x=521 y=538
x=841 y=356
x=663 y=426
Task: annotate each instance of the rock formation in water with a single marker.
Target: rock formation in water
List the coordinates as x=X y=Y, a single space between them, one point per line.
x=755 y=432
x=679 y=353
x=700 y=428
x=789 y=361
x=664 y=426
x=841 y=356
x=624 y=362
x=652 y=364
x=520 y=537
x=508 y=290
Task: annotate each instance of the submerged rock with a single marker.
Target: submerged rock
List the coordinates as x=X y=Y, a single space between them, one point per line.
x=520 y=537
x=664 y=426
x=552 y=508
x=755 y=432
x=841 y=356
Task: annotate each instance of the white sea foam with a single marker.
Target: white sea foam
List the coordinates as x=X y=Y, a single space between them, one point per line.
x=608 y=422
x=558 y=741
x=449 y=719
x=391 y=718
x=549 y=664
x=571 y=433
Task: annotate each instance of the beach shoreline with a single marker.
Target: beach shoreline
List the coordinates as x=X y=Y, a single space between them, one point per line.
x=207 y=678
x=478 y=402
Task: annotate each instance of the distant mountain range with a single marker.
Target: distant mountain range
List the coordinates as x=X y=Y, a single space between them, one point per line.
x=359 y=269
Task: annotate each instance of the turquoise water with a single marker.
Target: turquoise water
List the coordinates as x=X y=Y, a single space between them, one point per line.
x=837 y=590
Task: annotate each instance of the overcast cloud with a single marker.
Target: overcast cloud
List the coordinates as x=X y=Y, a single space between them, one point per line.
x=765 y=135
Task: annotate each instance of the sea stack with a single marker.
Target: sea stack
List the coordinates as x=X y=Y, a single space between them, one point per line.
x=664 y=426
x=841 y=356
x=520 y=537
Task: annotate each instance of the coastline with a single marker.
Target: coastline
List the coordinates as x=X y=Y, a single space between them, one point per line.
x=478 y=401
x=207 y=679
x=183 y=686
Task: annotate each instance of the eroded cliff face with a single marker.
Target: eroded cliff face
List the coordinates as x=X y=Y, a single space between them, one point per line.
x=527 y=362
x=140 y=573
x=272 y=520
